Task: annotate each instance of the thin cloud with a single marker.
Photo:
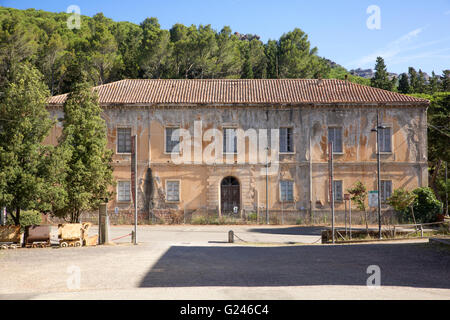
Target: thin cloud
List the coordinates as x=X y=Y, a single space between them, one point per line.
x=391 y=50
x=447 y=12
x=436 y=54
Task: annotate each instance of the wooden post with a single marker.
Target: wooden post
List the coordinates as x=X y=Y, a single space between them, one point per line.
x=230 y=236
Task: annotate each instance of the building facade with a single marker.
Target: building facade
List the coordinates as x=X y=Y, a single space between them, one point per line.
x=240 y=146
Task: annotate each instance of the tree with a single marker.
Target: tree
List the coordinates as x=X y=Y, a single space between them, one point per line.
x=228 y=55
x=103 y=55
x=402 y=201
x=438 y=117
x=381 y=77
x=247 y=69
x=155 y=49
x=89 y=171
x=413 y=80
x=271 y=51
x=17 y=45
x=24 y=124
x=433 y=84
x=421 y=82
x=296 y=57
x=426 y=206
x=403 y=84
x=358 y=195
x=52 y=58
x=445 y=80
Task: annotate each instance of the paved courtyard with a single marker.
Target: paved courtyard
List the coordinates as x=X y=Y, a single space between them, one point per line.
x=196 y=262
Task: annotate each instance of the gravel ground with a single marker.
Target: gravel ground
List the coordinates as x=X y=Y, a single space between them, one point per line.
x=195 y=262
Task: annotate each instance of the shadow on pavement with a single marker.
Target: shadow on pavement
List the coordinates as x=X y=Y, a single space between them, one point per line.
x=301 y=231
x=413 y=265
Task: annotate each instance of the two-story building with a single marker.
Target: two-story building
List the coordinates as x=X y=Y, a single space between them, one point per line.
x=237 y=146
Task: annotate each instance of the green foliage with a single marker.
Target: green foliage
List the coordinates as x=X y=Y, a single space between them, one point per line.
x=426 y=206
x=381 y=77
x=403 y=84
x=84 y=142
x=27 y=181
x=104 y=51
x=27 y=218
x=358 y=195
x=438 y=116
x=401 y=199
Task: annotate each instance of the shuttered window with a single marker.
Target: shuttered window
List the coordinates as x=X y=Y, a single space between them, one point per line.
x=386 y=189
x=286 y=140
x=123 y=191
x=337 y=190
x=172 y=140
x=173 y=191
x=287 y=191
x=230 y=140
x=123 y=140
x=335 y=136
x=384 y=136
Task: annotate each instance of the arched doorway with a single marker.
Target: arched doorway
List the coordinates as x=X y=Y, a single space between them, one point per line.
x=230 y=195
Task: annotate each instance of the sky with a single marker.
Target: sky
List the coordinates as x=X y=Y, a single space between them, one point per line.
x=350 y=32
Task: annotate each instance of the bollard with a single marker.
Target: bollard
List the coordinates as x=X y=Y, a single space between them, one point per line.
x=103 y=224
x=230 y=236
x=133 y=236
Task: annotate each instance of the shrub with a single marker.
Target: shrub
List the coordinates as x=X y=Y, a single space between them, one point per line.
x=252 y=217
x=27 y=218
x=426 y=206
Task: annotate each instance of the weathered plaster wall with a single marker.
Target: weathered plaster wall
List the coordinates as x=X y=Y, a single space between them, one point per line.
x=200 y=183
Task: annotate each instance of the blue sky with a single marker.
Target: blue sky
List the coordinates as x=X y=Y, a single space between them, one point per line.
x=412 y=33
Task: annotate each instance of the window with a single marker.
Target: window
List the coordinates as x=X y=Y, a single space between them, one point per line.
x=230 y=140
x=386 y=190
x=172 y=140
x=286 y=140
x=335 y=136
x=123 y=191
x=337 y=190
x=173 y=191
x=123 y=140
x=384 y=143
x=287 y=191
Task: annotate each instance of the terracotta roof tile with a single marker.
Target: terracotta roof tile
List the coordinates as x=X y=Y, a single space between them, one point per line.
x=255 y=91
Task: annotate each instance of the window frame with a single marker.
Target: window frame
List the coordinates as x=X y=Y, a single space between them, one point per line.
x=179 y=190
x=390 y=140
x=129 y=192
x=224 y=146
x=334 y=135
x=383 y=190
x=287 y=200
x=117 y=138
x=165 y=139
x=291 y=140
x=342 y=191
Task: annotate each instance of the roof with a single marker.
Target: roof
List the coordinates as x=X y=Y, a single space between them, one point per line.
x=252 y=91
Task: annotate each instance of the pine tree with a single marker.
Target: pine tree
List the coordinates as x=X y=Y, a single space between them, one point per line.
x=89 y=171
x=247 y=68
x=403 y=84
x=413 y=80
x=381 y=77
x=433 y=84
x=421 y=82
x=445 y=80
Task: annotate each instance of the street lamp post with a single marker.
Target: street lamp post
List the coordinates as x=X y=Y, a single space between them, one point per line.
x=378 y=174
